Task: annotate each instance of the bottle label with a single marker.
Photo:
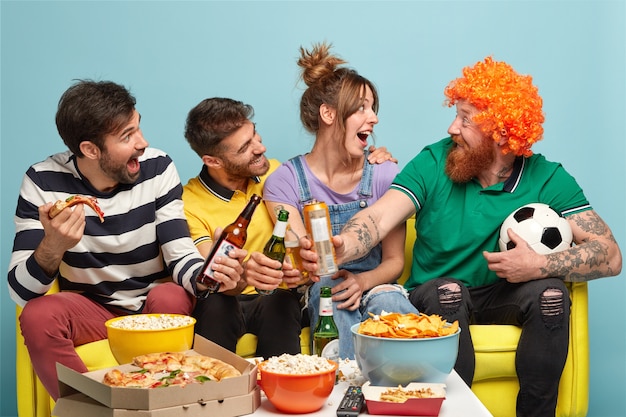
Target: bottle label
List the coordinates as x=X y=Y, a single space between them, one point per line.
x=323 y=245
x=326 y=306
x=280 y=228
x=331 y=350
x=319 y=229
x=223 y=250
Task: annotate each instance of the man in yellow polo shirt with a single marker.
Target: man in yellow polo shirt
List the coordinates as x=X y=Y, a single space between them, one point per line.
x=234 y=167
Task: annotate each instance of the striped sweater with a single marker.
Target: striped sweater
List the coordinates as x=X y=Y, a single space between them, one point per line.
x=144 y=239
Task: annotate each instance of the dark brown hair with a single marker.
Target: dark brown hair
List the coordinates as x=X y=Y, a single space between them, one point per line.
x=212 y=120
x=90 y=110
x=338 y=87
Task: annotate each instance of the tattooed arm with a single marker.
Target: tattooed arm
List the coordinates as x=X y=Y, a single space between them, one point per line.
x=595 y=255
x=371 y=225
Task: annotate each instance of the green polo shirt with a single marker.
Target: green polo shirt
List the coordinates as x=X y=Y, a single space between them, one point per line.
x=455 y=222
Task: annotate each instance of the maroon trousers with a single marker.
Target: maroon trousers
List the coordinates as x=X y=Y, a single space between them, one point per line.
x=54 y=324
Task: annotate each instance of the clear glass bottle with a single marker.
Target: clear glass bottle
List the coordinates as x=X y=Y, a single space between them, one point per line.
x=275 y=246
x=326 y=334
x=292 y=243
x=233 y=235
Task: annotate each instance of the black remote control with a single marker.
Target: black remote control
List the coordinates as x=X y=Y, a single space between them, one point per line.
x=352 y=402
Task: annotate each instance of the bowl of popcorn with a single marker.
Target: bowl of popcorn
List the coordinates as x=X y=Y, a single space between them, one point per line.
x=140 y=334
x=297 y=384
x=396 y=349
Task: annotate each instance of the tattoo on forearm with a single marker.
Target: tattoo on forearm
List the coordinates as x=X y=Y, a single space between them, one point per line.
x=587 y=261
x=363 y=235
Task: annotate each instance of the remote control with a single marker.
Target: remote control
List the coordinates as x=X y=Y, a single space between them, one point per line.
x=352 y=402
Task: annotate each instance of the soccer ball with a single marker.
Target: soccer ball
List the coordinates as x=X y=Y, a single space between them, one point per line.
x=540 y=226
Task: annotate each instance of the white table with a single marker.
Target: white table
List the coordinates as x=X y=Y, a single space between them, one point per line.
x=460 y=401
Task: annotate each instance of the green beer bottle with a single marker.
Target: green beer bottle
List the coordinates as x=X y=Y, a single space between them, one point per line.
x=275 y=247
x=326 y=334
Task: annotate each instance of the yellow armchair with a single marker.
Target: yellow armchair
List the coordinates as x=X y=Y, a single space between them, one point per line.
x=495 y=381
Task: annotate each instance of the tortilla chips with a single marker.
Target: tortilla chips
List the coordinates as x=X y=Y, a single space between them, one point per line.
x=401 y=395
x=407 y=326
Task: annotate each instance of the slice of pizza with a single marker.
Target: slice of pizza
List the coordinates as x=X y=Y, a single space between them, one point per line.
x=210 y=367
x=61 y=205
x=160 y=362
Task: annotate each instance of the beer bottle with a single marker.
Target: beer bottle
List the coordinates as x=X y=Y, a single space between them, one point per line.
x=326 y=334
x=292 y=244
x=275 y=246
x=233 y=236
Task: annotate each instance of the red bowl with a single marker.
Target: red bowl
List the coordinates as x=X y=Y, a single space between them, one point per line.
x=298 y=394
x=411 y=407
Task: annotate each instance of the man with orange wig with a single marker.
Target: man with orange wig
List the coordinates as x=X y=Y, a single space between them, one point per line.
x=461 y=189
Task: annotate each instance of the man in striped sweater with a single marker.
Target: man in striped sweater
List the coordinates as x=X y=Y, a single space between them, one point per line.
x=140 y=259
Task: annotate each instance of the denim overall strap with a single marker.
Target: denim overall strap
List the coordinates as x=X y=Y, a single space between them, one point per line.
x=367 y=178
x=303 y=183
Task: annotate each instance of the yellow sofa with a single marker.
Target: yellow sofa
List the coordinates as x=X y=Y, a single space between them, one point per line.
x=495 y=381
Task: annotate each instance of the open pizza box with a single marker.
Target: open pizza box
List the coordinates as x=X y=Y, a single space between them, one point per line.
x=90 y=384
x=80 y=405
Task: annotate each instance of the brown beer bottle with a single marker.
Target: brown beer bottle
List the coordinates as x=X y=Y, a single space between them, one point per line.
x=233 y=236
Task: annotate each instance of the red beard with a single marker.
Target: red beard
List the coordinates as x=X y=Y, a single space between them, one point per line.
x=463 y=164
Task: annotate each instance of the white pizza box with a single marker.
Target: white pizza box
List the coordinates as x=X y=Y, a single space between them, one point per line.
x=80 y=405
x=90 y=384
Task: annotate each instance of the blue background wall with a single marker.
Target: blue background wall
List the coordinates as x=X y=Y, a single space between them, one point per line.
x=174 y=54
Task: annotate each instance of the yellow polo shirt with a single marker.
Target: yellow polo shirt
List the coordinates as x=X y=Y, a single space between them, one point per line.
x=209 y=205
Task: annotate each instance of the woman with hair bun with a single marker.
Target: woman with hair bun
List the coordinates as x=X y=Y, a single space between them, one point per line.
x=339 y=107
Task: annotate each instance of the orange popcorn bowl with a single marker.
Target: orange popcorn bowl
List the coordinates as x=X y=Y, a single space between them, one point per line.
x=298 y=394
x=140 y=334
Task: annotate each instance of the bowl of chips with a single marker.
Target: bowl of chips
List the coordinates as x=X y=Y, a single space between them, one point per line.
x=397 y=349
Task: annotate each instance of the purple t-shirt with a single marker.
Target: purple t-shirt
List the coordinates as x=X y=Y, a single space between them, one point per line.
x=282 y=185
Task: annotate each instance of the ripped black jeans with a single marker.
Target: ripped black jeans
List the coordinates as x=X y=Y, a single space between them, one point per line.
x=541 y=308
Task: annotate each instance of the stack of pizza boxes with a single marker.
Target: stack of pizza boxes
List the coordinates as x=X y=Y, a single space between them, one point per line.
x=86 y=395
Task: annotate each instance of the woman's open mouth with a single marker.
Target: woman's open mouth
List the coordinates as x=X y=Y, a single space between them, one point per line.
x=363 y=137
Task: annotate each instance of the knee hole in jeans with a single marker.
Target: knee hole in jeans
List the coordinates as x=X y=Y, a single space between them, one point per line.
x=449 y=297
x=552 y=307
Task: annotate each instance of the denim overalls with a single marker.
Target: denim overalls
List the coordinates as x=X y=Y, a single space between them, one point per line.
x=395 y=298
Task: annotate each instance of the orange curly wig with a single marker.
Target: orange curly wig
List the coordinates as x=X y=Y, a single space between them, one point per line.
x=508 y=103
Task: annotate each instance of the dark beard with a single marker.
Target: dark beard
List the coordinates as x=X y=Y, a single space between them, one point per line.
x=235 y=170
x=118 y=172
x=463 y=164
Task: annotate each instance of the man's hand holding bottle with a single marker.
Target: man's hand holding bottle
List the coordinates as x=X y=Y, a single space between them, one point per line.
x=228 y=270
